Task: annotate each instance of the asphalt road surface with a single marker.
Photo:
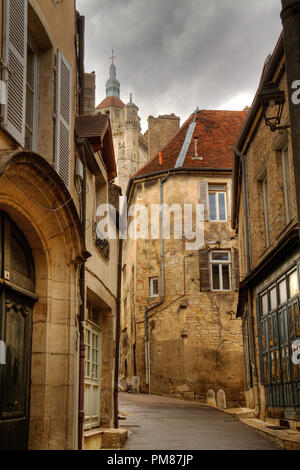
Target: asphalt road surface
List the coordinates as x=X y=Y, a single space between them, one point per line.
x=160 y=423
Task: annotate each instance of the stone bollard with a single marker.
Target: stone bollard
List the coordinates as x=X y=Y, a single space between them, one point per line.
x=221 y=399
x=211 y=398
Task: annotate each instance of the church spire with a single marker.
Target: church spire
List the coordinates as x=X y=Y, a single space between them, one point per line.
x=112 y=84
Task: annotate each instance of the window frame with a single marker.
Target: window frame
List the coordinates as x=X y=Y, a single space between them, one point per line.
x=35 y=91
x=222 y=190
x=153 y=295
x=220 y=263
x=93 y=384
x=265 y=194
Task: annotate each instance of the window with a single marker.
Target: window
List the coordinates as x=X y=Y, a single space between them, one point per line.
x=286 y=184
x=153 y=286
x=92 y=369
x=217 y=202
x=220 y=270
x=21 y=76
x=31 y=99
x=266 y=212
x=293 y=284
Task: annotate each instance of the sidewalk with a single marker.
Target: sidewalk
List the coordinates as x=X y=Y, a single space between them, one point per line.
x=285 y=438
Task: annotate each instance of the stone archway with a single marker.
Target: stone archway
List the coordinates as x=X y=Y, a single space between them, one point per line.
x=38 y=202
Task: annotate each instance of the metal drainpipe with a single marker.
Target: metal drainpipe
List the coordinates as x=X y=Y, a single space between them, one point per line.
x=249 y=267
x=81 y=28
x=162 y=277
x=118 y=327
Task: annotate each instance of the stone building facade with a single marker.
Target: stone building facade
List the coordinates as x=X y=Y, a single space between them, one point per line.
x=160 y=132
x=45 y=236
x=177 y=332
x=265 y=218
x=131 y=146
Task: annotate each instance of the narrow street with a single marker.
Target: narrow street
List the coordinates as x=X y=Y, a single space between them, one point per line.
x=160 y=423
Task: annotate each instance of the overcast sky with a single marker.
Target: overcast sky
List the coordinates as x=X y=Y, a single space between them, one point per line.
x=175 y=55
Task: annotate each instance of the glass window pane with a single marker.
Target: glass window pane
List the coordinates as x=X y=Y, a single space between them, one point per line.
x=222 y=209
x=220 y=256
x=212 y=206
x=293 y=283
x=264 y=303
x=226 y=276
x=30 y=67
x=29 y=107
x=273 y=298
x=215 y=276
x=282 y=292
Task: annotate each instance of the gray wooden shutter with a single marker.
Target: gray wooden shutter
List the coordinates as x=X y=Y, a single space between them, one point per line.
x=15 y=56
x=229 y=199
x=235 y=270
x=63 y=118
x=203 y=197
x=204 y=270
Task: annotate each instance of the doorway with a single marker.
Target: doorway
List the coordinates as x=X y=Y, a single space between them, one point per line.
x=17 y=283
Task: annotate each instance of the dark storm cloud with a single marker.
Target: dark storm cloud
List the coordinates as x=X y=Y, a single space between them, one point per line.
x=175 y=55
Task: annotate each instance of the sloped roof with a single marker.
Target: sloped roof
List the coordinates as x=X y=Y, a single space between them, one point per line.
x=111 y=102
x=216 y=131
x=96 y=129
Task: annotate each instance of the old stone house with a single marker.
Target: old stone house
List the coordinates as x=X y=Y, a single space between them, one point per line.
x=57 y=316
x=177 y=330
x=131 y=146
x=265 y=218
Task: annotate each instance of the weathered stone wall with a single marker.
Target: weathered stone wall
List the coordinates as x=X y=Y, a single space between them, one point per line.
x=194 y=344
x=89 y=93
x=264 y=160
x=160 y=132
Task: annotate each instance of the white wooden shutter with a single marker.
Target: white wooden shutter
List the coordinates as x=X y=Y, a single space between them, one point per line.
x=14 y=56
x=229 y=198
x=203 y=197
x=63 y=118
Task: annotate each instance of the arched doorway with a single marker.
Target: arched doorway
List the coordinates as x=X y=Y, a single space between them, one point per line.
x=17 y=284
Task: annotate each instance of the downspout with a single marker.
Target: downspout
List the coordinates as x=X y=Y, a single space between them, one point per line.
x=118 y=328
x=162 y=278
x=80 y=29
x=249 y=267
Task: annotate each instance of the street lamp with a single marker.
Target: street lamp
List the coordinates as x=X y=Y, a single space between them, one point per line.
x=272 y=100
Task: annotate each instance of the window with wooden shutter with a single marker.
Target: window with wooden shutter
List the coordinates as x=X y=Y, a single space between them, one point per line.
x=63 y=118
x=204 y=270
x=203 y=197
x=14 y=67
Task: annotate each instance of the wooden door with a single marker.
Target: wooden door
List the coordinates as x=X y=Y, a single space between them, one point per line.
x=16 y=303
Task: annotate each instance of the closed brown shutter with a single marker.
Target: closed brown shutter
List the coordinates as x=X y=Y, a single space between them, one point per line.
x=204 y=270
x=235 y=270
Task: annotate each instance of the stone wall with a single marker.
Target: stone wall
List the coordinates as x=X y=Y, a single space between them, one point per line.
x=160 y=132
x=89 y=93
x=195 y=345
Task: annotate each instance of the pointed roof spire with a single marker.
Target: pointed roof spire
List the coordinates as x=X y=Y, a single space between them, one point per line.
x=112 y=56
x=113 y=84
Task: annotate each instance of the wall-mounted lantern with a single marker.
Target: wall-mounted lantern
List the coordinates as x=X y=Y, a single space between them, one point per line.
x=272 y=100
